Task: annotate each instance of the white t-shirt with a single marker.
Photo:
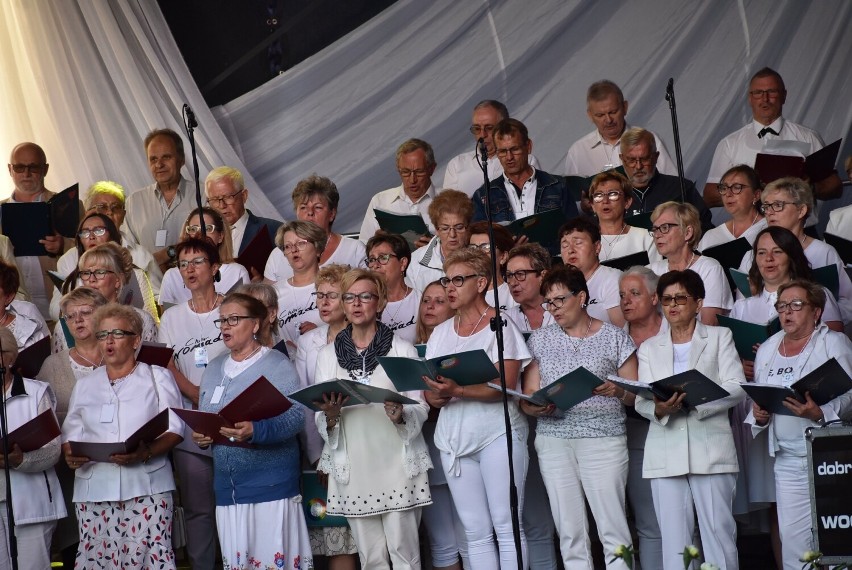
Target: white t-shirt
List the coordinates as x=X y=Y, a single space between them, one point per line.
x=717 y=291
x=401 y=316
x=760 y=309
x=517 y=316
x=349 y=252
x=721 y=234
x=467 y=426
x=505 y=296
x=296 y=305
x=603 y=292
x=186 y=331
x=173 y=291
x=632 y=241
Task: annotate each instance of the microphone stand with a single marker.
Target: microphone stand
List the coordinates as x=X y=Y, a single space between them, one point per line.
x=497 y=325
x=670 y=97
x=189 y=124
x=10 y=510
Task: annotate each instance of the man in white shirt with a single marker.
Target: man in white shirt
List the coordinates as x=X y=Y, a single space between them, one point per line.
x=463 y=171
x=600 y=150
x=227 y=194
x=766 y=96
x=156 y=212
x=415 y=162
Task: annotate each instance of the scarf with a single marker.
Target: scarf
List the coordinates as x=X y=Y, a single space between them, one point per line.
x=362 y=365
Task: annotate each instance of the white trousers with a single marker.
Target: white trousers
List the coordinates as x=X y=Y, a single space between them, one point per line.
x=576 y=470
x=33 y=543
x=389 y=538
x=481 y=495
x=677 y=500
x=446 y=534
x=794 y=508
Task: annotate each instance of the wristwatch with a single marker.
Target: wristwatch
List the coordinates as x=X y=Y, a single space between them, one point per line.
x=172 y=253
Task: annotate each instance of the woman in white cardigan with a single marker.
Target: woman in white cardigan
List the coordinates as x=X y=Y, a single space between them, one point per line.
x=375 y=455
x=804 y=344
x=689 y=454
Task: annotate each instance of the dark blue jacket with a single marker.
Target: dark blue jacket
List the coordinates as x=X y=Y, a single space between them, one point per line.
x=253 y=225
x=551 y=192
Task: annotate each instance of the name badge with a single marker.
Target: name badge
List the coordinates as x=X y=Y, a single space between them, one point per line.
x=217 y=394
x=200 y=356
x=162 y=236
x=107 y=413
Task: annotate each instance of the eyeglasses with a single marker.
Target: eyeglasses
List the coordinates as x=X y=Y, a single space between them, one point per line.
x=644 y=160
x=776 y=206
x=232 y=321
x=117 y=334
x=759 y=93
x=99 y=274
x=381 y=259
x=331 y=295
x=457 y=281
x=97 y=231
x=218 y=202
x=796 y=305
x=667 y=300
x=733 y=188
x=364 y=297
x=104 y=208
x=458 y=228
x=32 y=168
x=481 y=129
x=197 y=262
x=557 y=302
x=81 y=314
x=408 y=173
x=514 y=151
x=486 y=247
x=662 y=228
x=295 y=246
x=194 y=229
x=613 y=196
x=521 y=274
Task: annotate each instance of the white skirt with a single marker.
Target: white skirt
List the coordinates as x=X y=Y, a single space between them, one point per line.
x=264 y=535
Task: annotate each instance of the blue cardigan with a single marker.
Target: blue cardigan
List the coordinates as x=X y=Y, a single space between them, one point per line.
x=270 y=471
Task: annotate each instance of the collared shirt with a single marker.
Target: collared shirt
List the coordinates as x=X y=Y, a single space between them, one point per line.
x=523 y=205
x=29 y=268
x=464 y=174
x=743 y=145
x=592 y=154
x=397 y=201
x=238 y=230
x=148 y=212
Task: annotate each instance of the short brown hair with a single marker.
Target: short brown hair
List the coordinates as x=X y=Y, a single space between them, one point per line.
x=305 y=230
x=814 y=292
x=10 y=281
x=359 y=274
x=170 y=134
x=332 y=274
x=255 y=309
x=510 y=128
x=111 y=255
x=477 y=260
x=412 y=145
x=537 y=255
x=600 y=90
x=503 y=238
x=117 y=311
x=315 y=185
x=451 y=202
x=82 y=296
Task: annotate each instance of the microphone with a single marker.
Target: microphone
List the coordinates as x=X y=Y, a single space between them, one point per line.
x=670 y=89
x=483 y=151
x=190 y=116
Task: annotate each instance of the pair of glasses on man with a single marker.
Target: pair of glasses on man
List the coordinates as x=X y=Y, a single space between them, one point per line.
x=98 y=231
x=117 y=334
x=219 y=201
x=106 y=208
x=231 y=321
x=32 y=168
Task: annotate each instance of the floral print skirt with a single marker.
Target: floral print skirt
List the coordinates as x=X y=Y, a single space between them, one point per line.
x=136 y=533
x=265 y=536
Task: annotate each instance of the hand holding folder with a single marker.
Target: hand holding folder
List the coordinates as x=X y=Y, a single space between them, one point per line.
x=103 y=451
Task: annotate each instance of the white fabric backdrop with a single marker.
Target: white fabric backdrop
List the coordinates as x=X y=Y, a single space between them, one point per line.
x=88 y=78
x=418 y=68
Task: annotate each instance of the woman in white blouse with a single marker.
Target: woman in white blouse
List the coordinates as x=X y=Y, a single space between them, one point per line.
x=610 y=196
x=471 y=430
x=134 y=489
x=740 y=191
x=676 y=231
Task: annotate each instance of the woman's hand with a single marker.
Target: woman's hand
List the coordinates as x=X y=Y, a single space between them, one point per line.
x=610 y=390
x=141 y=454
x=202 y=440
x=444 y=387
x=306 y=326
x=394 y=412
x=809 y=410
x=73 y=461
x=16 y=457
x=761 y=416
x=671 y=406
x=435 y=400
x=537 y=411
x=242 y=431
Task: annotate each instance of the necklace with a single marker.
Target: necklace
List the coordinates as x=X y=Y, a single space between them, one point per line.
x=611 y=244
x=253 y=352
x=215 y=304
x=472 y=331
x=80 y=354
x=734 y=225
x=576 y=347
x=122 y=378
x=688 y=265
x=400 y=303
x=5 y=319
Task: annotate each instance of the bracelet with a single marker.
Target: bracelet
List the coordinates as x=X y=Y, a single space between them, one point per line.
x=623 y=396
x=462 y=394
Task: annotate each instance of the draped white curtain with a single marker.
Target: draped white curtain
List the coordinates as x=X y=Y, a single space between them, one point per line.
x=88 y=78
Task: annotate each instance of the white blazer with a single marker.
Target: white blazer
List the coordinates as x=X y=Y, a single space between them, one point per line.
x=701 y=441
